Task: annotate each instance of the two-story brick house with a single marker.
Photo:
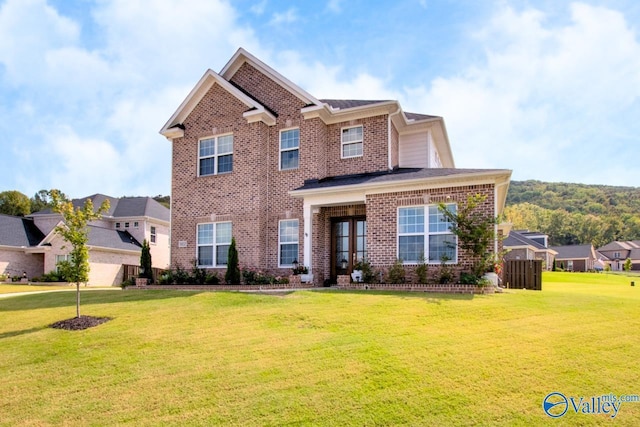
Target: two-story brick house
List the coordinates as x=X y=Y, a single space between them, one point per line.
x=320 y=182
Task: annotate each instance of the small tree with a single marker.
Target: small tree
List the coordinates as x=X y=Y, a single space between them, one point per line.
x=232 y=276
x=146 y=271
x=75 y=232
x=627 y=265
x=475 y=231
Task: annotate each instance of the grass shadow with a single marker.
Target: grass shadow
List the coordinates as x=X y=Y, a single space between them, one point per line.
x=68 y=299
x=21 y=332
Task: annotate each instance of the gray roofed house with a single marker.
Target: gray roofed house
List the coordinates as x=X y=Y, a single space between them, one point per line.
x=576 y=257
x=31 y=244
x=524 y=244
x=616 y=253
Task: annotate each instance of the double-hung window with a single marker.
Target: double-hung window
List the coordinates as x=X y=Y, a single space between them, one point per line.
x=351 y=141
x=153 y=234
x=425 y=233
x=213 y=243
x=215 y=155
x=289 y=149
x=287 y=242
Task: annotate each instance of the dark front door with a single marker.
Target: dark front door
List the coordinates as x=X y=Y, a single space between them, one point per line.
x=348 y=244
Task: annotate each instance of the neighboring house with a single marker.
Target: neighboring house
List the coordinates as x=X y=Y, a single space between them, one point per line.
x=524 y=244
x=616 y=253
x=576 y=257
x=31 y=244
x=324 y=183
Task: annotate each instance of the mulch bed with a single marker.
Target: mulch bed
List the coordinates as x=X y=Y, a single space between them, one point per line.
x=79 y=323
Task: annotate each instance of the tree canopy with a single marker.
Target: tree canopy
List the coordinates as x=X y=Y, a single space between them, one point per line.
x=14 y=203
x=575 y=213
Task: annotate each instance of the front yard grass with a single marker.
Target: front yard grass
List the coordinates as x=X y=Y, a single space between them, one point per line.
x=322 y=358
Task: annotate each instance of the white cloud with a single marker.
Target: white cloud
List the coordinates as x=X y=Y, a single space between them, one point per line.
x=287 y=17
x=531 y=104
x=259 y=8
x=28 y=30
x=334 y=6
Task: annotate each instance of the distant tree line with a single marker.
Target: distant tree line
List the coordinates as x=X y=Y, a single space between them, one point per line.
x=575 y=213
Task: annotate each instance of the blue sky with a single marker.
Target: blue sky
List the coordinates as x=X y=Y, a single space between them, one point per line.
x=549 y=89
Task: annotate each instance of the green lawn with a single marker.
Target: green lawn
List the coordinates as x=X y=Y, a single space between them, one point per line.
x=322 y=358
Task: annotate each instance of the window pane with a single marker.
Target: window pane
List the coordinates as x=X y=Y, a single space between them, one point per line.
x=352 y=134
x=289 y=159
x=205 y=255
x=442 y=245
x=205 y=234
x=207 y=166
x=288 y=253
x=223 y=232
x=222 y=254
x=437 y=221
x=225 y=144
x=225 y=163
x=289 y=231
x=411 y=220
x=289 y=139
x=207 y=147
x=410 y=248
x=352 y=150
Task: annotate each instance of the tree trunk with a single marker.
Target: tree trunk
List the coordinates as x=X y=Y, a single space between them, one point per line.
x=77 y=299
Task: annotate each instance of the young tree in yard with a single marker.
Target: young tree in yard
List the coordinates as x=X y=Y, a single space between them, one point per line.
x=627 y=265
x=232 y=276
x=146 y=271
x=475 y=231
x=75 y=232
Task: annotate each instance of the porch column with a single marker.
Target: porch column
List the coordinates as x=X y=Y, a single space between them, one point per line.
x=308 y=233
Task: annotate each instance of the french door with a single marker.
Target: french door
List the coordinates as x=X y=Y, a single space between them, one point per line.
x=348 y=244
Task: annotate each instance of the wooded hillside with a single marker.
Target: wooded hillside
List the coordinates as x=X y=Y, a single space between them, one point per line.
x=575 y=213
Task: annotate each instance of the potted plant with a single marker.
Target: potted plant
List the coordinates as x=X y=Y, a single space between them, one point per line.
x=303 y=272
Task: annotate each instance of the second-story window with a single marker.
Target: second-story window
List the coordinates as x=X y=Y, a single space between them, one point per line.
x=289 y=149
x=215 y=155
x=153 y=234
x=351 y=141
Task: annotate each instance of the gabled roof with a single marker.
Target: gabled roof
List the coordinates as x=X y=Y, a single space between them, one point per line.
x=19 y=232
x=621 y=245
x=242 y=56
x=575 y=252
x=123 y=207
x=255 y=111
x=517 y=239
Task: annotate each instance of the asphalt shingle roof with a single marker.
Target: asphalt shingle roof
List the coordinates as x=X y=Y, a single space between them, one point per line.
x=573 y=251
x=115 y=239
x=402 y=174
x=18 y=231
x=515 y=238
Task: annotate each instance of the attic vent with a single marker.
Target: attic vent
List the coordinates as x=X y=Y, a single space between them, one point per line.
x=182 y=244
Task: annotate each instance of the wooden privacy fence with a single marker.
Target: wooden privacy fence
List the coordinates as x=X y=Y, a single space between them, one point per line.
x=132 y=271
x=523 y=274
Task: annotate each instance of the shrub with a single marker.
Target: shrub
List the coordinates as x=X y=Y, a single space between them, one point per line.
x=445 y=275
x=368 y=275
x=146 y=272
x=129 y=282
x=468 y=279
x=396 y=273
x=232 y=276
x=212 y=279
x=421 y=270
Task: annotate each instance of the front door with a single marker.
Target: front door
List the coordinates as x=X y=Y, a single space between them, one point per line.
x=348 y=244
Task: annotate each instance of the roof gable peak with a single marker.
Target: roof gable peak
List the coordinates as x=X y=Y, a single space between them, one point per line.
x=242 y=56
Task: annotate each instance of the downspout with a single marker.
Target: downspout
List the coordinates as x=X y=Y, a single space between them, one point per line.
x=389 y=139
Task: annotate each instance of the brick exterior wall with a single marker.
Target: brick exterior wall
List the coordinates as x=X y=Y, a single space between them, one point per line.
x=14 y=261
